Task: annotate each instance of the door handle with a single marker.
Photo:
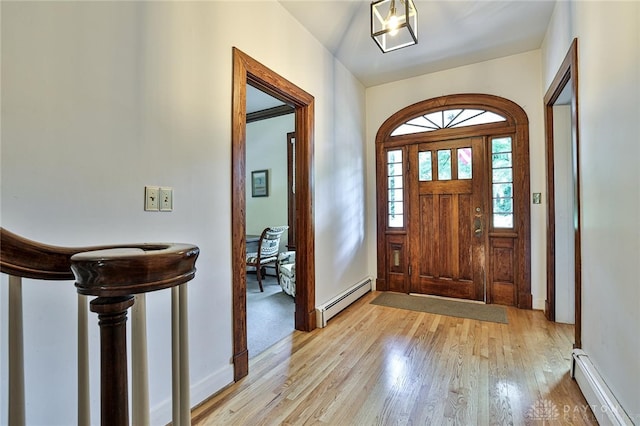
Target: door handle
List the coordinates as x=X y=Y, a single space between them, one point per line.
x=477 y=227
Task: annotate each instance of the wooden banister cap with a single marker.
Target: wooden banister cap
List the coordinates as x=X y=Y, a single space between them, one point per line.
x=134 y=268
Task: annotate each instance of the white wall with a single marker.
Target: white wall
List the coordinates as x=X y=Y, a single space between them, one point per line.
x=267 y=150
x=100 y=99
x=609 y=107
x=516 y=78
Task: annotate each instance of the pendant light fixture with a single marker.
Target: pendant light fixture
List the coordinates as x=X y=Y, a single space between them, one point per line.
x=394 y=24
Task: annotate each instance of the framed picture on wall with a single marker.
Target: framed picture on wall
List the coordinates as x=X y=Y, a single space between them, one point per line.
x=260 y=183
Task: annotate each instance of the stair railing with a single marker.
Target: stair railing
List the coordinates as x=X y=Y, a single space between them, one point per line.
x=118 y=276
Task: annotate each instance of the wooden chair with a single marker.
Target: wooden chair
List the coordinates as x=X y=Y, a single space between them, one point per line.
x=267 y=254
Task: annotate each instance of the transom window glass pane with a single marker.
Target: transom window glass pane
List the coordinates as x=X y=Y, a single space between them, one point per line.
x=447 y=119
x=395 y=189
x=464 y=163
x=425 y=172
x=502 y=182
x=444 y=164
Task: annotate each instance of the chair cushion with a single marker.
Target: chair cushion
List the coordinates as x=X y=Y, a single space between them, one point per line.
x=288 y=270
x=287 y=257
x=270 y=247
x=253 y=258
x=288 y=278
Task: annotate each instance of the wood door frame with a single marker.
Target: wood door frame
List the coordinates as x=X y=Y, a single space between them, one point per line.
x=247 y=70
x=517 y=124
x=567 y=74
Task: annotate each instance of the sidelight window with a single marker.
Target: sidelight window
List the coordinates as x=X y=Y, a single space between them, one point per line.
x=395 y=189
x=502 y=182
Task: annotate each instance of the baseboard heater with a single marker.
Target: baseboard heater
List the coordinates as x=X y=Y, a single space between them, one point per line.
x=601 y=400
x=334 y=306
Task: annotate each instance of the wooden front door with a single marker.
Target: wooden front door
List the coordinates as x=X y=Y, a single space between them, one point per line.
x=446 y=218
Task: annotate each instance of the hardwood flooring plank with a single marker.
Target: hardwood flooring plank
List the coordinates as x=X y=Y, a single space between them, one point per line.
x=374 y=365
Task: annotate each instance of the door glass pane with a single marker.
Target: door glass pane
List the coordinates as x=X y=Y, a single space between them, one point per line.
x=500 y=145
x=503 y=205
x=394 y=156
x=501 y=160
x=425 y=172
x=444 y=164
x=464 y=163
x=501 y=190
x=396 y=208
x=395 y=195
x=396 y=221
x=502 y=175
x=395 y=182
x=503 y=220
x=395 y=169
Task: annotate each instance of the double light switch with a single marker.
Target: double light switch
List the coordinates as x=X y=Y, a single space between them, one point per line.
x=158 y=198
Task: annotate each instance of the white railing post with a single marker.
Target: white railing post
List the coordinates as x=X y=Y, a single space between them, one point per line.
x=84 y=400
x=180 y=357
x=139 y=367
x=185 y=396
x=16 y=353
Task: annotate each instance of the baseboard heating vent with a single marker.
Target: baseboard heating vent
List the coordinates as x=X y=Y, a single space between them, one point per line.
x=334 y=306
x=601 y=400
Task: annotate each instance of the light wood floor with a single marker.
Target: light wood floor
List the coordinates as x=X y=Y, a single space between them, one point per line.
x=374 y=365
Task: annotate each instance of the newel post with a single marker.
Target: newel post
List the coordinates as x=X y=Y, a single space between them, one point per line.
x=112 y=319
x=115 y=275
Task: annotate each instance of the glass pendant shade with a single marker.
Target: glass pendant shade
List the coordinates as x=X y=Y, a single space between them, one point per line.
x=394 y=24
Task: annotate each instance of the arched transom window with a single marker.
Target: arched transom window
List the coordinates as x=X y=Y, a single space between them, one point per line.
x=447 y=119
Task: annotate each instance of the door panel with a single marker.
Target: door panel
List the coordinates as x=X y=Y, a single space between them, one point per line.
x=446 y=221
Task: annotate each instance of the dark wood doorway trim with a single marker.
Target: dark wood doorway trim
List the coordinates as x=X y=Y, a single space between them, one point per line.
x=567 y=74
x=246 y=70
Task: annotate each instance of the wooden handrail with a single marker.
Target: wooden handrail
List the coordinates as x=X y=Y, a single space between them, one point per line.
x=26 y=258
x=114 y=274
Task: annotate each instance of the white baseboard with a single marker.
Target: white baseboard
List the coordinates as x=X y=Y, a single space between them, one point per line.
x=538 y=304
x=601 y=400
x=161 y=413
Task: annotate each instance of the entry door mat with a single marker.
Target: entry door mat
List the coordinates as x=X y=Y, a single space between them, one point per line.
x=433 y=305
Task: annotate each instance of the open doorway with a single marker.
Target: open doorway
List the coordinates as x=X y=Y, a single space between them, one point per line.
x=563 y=302
x=246 y=70
x=270 y=309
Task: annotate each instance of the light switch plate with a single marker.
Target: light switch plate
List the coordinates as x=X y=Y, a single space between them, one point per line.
x=166 y=199
x=151 y=198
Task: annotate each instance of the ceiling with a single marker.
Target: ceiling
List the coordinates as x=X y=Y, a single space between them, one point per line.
x=451 y=33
